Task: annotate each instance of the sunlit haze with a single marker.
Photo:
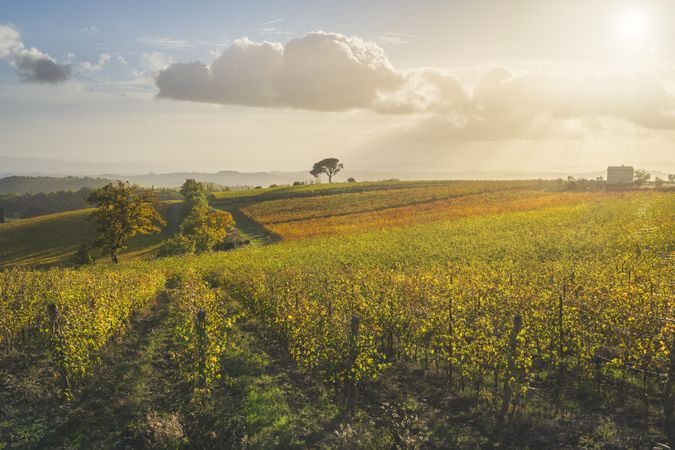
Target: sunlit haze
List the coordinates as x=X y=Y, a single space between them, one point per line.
x=422 y=86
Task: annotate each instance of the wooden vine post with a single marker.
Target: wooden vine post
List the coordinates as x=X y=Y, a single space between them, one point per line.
x=55 y=337
x=450 y=340
x=669 y=398
x=200 y=326
x=351 y=386
x=561 y=337
x=511 y=370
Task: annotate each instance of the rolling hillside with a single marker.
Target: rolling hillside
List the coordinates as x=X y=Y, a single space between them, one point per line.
x=53 y=239
x=268 y=215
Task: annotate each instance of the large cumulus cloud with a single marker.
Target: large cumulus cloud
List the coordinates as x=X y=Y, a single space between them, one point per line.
x=319 y=71
x=332 y=72
x=32 y=65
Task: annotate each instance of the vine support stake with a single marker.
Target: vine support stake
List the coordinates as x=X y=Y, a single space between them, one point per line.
x=511 y=370
x=200 y=325
x=53 y=314
x=450 y=340
x=351 y=386
x=561 y=337
x=669 y=398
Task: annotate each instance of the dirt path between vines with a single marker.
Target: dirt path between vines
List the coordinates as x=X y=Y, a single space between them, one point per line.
x=138 y=398
x=134 y=378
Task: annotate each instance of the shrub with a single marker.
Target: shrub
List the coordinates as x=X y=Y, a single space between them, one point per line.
x=233 y=240
x=207 y=227
x=83 y=256
x=180 y=244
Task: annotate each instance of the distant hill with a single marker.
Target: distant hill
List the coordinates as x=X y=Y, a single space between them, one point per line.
x=224 y=177
x=233 y=178
x=26 y=184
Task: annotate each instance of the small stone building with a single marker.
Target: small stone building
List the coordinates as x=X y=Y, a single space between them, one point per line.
x=619 y=177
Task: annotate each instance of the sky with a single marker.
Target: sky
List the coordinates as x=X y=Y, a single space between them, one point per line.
x=383 y=85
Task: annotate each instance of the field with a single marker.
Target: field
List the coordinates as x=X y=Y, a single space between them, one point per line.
x=372 y=315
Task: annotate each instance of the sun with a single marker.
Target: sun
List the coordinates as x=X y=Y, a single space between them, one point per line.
x=632 y=25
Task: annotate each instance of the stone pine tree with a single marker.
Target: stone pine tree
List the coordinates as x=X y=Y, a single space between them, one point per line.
x=123 y=211
x=328 y=166
x=315 y=173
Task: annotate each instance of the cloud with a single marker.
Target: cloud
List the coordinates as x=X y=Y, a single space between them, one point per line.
x=10 y=41
x=272 y=31
x=425 y=90
x=103 y=59
x=318 y=71
x=154 y=61
x=501 y=98
x=271 y=22
x=91 y=29
x=333 y=72
x=270 y=28
x=32 y=65
x=638 y=98
x=391 y=37
x=164 y=42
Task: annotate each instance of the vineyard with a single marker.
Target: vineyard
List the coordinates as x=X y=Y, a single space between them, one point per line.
x=518 y=301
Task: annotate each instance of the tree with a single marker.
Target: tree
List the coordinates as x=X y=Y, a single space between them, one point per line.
x=194 y=193
x=328 y=166
x=123 y=211
x=2 y=215
x=671 y=177
x=207 y=227
x=641 y=176
x=315 y=173
x=351 y=180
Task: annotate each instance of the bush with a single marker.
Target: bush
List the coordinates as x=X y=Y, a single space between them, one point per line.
x=207 y=227
x=233 y=240
x=351 y=180
x=83 y=256
x=180 y=244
